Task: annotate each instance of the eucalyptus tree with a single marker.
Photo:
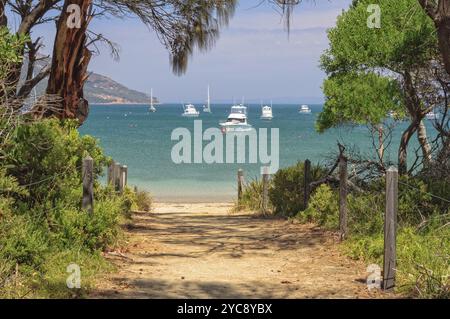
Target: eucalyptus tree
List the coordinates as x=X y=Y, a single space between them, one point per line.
x=372 y=71
x=439 y=12
x=181 y=25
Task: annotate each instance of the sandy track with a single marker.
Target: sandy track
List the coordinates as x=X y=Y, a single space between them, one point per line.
x=202 y=251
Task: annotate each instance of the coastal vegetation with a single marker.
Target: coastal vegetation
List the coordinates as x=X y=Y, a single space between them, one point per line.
x=43 y=228
x=396 y=69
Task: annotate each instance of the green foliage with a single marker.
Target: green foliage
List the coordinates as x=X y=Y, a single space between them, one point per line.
x=364 y=65
x=322 y=208
x=358 y=98
x=252 y=195
x=40 y=207
x=22 y=241
x=423 y=259
x=10 y=48
x=423 y=236
x=286 y=192
x=143 y=201
x=46 y=157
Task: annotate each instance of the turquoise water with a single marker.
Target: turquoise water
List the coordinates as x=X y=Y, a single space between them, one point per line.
x=142 y=140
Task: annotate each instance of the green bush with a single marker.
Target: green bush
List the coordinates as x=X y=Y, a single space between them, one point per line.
x=322 y=209
x=252 y=194
x=286 y=192
x=143 y=201
x=22 y=241
x=46 y=157
x=40 y=206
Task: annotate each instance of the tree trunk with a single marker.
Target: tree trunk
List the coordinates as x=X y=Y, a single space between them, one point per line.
x=440 y=14
x=444 y=43
x=424 y=145
x=403 y=148
x=69 y=65
x=3 y=18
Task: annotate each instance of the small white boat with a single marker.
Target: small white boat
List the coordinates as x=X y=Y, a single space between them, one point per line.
x=432 y=116
x=207 y=107
x=237 y=120
x=190 y=111
x=152 y=108
x=266 y=112
x=304 y=109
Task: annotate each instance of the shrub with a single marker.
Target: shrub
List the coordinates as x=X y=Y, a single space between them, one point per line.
x=286 y=193
x=40 y=205
x=252 y=194
x=46 y=157
x=322 y=209
x=22 y=241
x=143 y=201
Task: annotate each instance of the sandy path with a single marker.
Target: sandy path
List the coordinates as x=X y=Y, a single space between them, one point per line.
x=201 y=251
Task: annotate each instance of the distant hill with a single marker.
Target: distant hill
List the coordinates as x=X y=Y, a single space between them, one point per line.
x=101 y=89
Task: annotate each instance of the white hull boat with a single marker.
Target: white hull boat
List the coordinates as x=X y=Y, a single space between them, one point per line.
x=266 y=113
x=237 y=120
x=190 y=111
x=304 y=109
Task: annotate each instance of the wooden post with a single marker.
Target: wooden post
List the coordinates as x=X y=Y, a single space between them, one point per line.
x=343 y=197
x=240 y=185
x=110 y=178
x=123 y=171
x=265 y=194
x=307 y=180
x=390 y=228
x=116 y=176
x=125 y=175
x=88 y=184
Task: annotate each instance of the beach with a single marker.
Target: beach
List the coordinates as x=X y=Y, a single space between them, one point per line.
x=202 y=250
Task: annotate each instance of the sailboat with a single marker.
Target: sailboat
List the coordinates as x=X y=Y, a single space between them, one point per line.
x=207 y=107
x=152 y=108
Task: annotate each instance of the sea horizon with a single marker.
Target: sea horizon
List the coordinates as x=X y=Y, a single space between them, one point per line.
x=142 y=140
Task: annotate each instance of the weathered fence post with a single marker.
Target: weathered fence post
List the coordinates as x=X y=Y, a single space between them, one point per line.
x=343 y=197
x=307 y=180
x=390 y=228
x=125 y=175
x=265 y=194
x=110 y=172
x=116 y=176
x=240 y=185
x=88 y=184
x=123 y=171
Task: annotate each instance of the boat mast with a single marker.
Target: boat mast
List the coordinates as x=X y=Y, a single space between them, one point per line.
x=209 y=102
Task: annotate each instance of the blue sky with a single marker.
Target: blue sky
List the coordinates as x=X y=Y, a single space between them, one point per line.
x=253 y=57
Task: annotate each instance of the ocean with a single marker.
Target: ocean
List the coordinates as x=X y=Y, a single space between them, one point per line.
x=142 y=140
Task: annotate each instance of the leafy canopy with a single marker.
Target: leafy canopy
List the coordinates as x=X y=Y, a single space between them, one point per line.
x=365 y=65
